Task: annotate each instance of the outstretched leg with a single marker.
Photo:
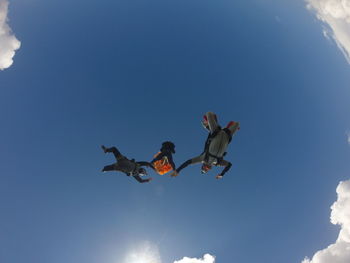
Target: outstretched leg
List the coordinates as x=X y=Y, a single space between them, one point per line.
x=113 y=150
x=140 y=180
x=233 y=126
x=212 y=121
x=108 y=168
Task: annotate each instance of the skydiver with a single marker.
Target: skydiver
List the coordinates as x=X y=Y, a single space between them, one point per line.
x=215 y=146
x=167 y=149
x=128 y=167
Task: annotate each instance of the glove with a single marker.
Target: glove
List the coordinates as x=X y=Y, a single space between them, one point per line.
x=174 y=174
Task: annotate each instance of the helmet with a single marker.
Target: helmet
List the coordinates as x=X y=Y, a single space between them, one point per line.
x=168 y=146
x=142 y=171
x=205 y=168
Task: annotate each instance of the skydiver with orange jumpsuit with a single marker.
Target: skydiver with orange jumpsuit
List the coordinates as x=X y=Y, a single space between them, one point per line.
x=164 y=158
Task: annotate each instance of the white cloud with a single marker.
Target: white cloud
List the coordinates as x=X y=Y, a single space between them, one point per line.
x=148 y=252
x=339 y=252
x=336 y=16
x=348 y=137
x=8 y=42
x=207 y=258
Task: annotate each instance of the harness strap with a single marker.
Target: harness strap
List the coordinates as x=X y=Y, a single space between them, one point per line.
x=136 y=168
x=228 y=134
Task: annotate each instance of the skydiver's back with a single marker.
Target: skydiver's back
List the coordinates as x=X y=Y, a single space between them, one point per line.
x=163 y=160
x=218 y=144
x=126 y=166
x=218 y=139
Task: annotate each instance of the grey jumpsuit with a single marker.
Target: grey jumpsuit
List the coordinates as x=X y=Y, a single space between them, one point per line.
x=215 y=145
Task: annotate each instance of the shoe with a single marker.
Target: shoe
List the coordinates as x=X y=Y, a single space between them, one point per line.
x=205 y=123
x=104 y=148
x=231 y=123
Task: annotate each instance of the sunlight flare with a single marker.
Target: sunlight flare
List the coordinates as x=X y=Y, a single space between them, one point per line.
x=144 y=253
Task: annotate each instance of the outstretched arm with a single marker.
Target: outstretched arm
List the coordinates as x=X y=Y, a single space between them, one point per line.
x=140 y=180
x=171 y=161
x=159 y=157
x=195 y=160
x=227 y=167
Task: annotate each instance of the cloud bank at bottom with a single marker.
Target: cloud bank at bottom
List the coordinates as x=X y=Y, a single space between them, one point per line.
x=339 y=252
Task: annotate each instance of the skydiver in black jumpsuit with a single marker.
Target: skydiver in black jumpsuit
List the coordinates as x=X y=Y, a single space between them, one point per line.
x=128 y=167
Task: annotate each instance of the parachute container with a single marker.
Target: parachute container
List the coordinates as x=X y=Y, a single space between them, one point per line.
x=162 y=166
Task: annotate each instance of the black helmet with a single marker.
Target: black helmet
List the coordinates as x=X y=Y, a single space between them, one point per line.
x=205 y=168
x=142 y=171
x=168 y=146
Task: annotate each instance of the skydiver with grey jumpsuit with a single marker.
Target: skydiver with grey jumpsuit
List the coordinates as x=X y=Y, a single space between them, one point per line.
x=215 y=146
x=128 y=167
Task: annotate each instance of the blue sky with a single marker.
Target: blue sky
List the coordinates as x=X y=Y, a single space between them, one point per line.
x=135 y=73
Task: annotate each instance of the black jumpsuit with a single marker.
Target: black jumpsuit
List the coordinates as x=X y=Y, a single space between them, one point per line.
x=128 y=167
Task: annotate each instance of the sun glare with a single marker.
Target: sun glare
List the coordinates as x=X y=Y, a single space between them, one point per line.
x=142 y=259
x=145 y=253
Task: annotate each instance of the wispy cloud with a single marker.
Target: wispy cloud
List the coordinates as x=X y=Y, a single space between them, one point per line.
x=336 y=17
x=8 y=42
x=339 y=252
x=207 y=258
x=348 y=136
